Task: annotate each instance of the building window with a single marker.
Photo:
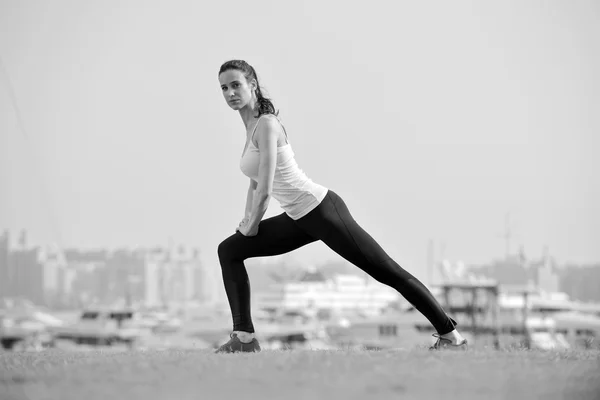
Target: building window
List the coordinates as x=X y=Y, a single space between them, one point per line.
x=585 y=332
x=388 y=330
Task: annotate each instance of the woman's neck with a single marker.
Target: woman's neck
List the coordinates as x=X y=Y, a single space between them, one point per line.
x=248 y=113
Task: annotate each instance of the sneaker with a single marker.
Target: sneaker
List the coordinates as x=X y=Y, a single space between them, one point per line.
x=443 y=343
x=235 y=345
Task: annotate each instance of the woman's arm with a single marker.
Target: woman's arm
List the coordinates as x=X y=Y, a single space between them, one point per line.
x=266 y=136
x=250 y=199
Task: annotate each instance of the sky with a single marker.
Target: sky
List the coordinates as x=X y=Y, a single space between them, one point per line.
x=432 y=120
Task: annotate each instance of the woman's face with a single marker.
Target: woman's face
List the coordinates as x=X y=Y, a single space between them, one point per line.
x=237 y=91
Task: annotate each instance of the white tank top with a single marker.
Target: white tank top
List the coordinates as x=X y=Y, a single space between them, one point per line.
x=295 y=192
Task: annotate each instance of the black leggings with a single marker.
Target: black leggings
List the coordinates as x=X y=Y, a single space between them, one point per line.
x=332 y=223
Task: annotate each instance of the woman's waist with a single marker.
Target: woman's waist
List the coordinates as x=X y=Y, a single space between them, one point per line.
x=286 y=192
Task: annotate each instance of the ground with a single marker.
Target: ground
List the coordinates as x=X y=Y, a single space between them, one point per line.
x=300 y=374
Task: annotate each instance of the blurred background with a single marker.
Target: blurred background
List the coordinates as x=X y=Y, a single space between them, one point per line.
x=463 y=136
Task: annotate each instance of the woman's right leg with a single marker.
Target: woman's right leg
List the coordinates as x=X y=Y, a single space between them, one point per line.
x=276 y=235
x=332 y=223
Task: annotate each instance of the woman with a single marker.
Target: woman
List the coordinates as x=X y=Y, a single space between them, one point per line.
x=311 y=213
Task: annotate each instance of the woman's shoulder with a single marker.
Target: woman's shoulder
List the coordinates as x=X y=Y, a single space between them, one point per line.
x=269 y=117
x=267 y=125
x=270 y=121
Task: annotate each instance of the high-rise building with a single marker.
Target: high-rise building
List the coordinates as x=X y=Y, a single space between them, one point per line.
x=53 y=262
x=4 y=272
x=171 y=276
x=26 y=275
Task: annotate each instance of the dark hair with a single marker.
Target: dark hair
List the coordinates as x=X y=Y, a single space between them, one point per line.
x=265 y=105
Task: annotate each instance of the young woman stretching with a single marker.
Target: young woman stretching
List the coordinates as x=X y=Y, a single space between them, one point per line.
x=311 y=212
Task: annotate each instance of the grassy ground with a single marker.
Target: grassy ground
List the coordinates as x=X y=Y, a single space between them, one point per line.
x=300 y=374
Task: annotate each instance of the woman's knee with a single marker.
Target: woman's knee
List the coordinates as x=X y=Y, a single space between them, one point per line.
x=223 y=249
x=227 y=250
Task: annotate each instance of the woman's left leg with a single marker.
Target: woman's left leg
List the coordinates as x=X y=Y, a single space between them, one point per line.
x=276 y=235
x=332 y=223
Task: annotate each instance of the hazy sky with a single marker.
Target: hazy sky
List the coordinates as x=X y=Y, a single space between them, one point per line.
x=433 y=120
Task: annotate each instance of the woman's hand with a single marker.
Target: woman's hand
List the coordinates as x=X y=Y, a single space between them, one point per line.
x=247 y=230
x=244 y=222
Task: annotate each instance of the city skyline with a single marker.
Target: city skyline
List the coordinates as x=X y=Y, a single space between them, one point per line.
x=62 y=278
x=431 y=123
